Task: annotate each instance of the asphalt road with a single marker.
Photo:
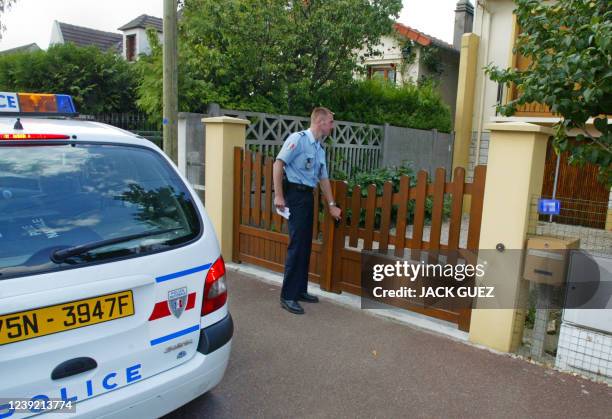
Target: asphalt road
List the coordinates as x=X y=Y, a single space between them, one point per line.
x=340 y=362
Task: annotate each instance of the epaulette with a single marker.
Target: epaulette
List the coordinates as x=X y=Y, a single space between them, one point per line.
x=302 y=133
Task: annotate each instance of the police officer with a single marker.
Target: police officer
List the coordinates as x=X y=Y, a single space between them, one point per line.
x=301 y=162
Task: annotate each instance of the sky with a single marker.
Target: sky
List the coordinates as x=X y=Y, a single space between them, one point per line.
x=30 y=21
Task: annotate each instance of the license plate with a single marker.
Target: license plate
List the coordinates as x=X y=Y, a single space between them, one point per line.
x=44 y=321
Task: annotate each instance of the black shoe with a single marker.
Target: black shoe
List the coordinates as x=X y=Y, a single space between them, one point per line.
x=309 y=298
x=292 y=306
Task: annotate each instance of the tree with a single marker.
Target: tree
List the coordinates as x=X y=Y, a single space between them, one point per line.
x=4 y=6
x=569 y=44
x=268 y=55
x=98 y=81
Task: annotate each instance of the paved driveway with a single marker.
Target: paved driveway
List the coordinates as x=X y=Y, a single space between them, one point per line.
x=336 y=361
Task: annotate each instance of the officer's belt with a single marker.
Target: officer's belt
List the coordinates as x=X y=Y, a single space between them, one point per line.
x=299 y=187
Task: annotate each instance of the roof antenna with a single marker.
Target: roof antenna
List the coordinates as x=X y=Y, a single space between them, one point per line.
x=18 y=124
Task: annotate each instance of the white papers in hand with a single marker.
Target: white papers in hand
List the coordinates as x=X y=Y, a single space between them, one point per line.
x=285 y=214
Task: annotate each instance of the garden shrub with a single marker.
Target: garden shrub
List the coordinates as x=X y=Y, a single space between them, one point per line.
x=378 y=177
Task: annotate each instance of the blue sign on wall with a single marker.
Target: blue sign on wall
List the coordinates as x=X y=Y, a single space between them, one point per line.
x=549 y=206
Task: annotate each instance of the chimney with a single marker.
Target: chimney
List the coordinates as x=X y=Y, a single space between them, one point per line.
x=464 y=17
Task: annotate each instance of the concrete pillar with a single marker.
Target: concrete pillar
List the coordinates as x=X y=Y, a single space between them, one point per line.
x=466 y=86
x=515 y=172
x=223 y=133
x=464 y=108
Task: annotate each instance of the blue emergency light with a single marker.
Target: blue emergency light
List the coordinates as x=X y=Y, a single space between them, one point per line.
x=65 y=104
x=549 y=206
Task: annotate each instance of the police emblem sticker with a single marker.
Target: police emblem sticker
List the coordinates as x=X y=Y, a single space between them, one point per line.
x=177 y=300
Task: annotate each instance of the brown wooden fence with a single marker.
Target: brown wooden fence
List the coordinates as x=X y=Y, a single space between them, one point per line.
x=395 y=220
x=584 y=199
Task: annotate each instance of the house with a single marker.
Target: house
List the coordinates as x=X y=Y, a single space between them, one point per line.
x=408 y=55
x=135 y=40
x=130 y=43
x=586 y=211
x=22 y=48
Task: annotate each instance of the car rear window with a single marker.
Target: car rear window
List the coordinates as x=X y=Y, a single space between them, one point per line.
x=55 y=197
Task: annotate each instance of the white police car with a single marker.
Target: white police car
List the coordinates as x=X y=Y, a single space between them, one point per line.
x=112 y=291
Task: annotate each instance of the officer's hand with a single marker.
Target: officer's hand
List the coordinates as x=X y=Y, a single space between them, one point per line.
x=279 y=203
x=335 y=212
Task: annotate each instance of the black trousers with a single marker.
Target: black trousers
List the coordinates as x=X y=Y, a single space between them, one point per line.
x=301 y=207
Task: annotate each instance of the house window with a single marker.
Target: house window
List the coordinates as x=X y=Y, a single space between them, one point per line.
x=386 y=72
x=130 y=47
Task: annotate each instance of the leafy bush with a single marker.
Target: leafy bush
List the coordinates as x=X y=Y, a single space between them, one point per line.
x=98 y=81
x=378 y=177
x=378 y=102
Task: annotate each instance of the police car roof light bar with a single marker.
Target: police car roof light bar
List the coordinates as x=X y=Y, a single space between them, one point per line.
x=36 y=104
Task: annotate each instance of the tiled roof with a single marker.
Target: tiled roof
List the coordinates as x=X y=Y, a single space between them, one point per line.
x=144 y=21
x=420 y=37
x=81 y=36
x=22 y=48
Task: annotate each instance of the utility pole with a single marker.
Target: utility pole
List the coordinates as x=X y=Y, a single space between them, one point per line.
x=170 y=91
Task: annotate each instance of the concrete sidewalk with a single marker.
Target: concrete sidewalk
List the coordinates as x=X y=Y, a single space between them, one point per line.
x=336 y=361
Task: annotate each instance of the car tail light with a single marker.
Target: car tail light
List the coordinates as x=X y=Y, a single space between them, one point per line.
x=34 y=137
x=215 y=287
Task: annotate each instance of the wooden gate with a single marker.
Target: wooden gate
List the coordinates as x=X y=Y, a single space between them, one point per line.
x=394 y=220
x=260 y=234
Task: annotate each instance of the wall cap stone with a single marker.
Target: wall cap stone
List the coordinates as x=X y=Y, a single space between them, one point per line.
x=225 y=120
x=468 y=38
x=519 y=126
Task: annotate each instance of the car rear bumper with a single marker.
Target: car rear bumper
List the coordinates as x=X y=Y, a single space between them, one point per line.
x=169 y=390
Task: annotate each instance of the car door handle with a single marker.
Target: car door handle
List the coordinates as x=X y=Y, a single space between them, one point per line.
x=73 y=367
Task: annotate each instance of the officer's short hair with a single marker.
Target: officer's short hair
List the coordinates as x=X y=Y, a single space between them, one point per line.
x=319 y=112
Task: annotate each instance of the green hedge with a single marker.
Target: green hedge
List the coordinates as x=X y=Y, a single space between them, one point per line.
x=367 y=101
x=379 y=102
x=99 y=82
